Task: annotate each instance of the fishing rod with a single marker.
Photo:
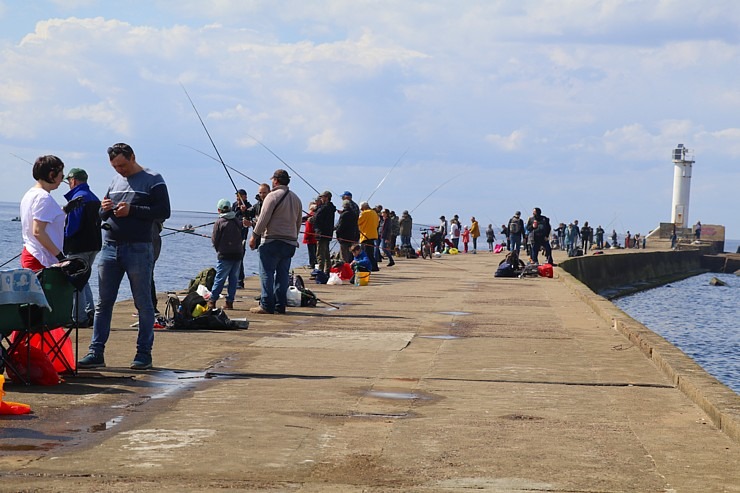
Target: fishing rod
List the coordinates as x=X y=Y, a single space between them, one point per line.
x=212 y=143
x=281 y=160
x=443 y=184
x=24 y=160
x=230 y=167
x=196 y=212
x=386 y=175
x=186 y=231
x=9 y=261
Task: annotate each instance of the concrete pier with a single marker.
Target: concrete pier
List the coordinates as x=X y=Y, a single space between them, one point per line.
x=436 y=377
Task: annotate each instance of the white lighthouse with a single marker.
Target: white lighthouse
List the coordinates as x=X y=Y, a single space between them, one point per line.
x=683 y=160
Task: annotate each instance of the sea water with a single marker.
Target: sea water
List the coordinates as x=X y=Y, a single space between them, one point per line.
x=183 y=255
x=698 y=318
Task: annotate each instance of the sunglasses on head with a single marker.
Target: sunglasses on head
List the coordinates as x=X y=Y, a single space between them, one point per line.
x=117 y=149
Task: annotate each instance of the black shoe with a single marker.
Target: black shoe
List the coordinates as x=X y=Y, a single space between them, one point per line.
x=391 y=264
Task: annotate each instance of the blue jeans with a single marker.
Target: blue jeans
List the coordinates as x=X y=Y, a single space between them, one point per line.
x=83 y=304
x=226 y=270
x=136 y=260
x=274 y=259
x=405 y=240
x=516 y=242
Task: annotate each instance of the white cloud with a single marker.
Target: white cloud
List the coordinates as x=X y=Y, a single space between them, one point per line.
x=327 y=83
x=511 y=142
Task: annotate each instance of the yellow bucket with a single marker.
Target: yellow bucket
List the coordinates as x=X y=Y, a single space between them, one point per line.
x=363 y=278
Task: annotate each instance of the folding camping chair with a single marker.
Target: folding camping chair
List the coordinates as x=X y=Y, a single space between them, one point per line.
x=22 y=323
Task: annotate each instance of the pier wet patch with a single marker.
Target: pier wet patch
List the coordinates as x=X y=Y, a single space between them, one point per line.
x=398 y=395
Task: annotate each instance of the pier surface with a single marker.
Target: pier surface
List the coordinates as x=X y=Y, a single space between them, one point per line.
x=436 y=377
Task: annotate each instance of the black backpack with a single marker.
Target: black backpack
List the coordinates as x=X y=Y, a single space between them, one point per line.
x=514 y=226
x=178 y=315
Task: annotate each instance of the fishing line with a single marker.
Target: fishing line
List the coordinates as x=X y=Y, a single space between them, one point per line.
x=212 y=143
x=281 y=160
x=443 y=184
x=386 y=175
x=230 y=167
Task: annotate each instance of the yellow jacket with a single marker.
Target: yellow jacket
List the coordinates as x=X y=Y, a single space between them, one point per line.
x=368 y=224
x=474 y=230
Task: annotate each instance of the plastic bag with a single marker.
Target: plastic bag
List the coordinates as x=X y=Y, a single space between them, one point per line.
x=334 y=278
x=40 y=372
x=204 y=292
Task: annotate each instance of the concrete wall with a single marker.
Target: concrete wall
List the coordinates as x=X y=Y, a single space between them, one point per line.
x=619 y=274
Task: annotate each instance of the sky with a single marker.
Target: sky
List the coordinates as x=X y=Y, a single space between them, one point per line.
x=475 y=108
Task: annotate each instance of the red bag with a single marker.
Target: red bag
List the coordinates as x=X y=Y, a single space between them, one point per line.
x=545 y=270
x=51 y=338
x=40 y=371
x=345 y=272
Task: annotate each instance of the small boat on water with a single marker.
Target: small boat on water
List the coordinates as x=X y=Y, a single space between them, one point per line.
x=16 y=218
x=188 y=228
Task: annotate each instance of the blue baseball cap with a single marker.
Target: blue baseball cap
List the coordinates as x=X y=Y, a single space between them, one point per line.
x=347 y=194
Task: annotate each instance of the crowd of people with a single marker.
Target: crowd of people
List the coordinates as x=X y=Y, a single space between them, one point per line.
x=136 y=204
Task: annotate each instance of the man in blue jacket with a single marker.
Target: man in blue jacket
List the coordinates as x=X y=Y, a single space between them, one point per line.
x=82 y=238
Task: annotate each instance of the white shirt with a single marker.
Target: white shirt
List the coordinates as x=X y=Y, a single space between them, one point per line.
x=38 y=204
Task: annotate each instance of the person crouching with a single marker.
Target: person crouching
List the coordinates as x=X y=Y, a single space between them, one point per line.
x=227 y=240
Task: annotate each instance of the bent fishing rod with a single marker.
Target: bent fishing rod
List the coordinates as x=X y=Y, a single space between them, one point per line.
x=281 y=160
x=386 y=175
x=213 y=144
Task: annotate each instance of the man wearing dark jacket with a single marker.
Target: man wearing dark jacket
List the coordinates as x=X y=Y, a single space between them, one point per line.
x=348 y=233
x=227 y=240
x=82 y=237
x=539 y=226
x=323 y=226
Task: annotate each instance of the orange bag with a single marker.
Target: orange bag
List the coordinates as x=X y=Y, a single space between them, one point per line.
x=545 y=270
x=11 y=408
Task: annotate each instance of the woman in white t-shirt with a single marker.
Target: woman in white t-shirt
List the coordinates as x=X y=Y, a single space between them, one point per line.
x=42 y=220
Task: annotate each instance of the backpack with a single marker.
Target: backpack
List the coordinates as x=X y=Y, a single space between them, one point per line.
x=504 y=270
x=514 y=226
x=204 y=277
x=178 y=315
